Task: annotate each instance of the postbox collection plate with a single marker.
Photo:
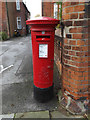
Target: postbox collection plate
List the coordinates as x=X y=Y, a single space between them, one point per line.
x=43 y=50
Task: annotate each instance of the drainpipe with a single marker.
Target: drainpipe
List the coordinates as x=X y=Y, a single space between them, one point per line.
x=62 y=35
x=8 y=18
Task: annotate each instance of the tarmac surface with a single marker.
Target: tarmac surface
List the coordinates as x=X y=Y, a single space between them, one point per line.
x=17 y=81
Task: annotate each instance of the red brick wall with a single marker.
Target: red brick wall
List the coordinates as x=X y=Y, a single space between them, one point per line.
x=21 y=14
x=47 y=9
x=76 y=65
x=3 y=18
x=0 y=16
x=12 y=17
x=9 y=23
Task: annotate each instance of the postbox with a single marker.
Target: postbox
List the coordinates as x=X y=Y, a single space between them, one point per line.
x=42 y=35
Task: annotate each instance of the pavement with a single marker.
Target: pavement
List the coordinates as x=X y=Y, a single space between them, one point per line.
x=54 y=115
x=16 y=83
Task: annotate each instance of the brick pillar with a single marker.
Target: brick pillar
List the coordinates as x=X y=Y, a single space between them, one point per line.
x=76 y=65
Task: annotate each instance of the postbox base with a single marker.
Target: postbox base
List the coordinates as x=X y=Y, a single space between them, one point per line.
x=43 y=95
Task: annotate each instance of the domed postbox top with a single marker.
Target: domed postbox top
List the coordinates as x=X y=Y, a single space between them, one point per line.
x=42 y=20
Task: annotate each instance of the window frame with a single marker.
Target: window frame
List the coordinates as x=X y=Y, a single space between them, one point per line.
x=19 y=27
x=18 y=5
x=55 y=11
x=58 y=11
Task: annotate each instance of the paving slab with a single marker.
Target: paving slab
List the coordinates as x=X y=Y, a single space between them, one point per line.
x=5 y=117
x=39 y=114
x=57 y=114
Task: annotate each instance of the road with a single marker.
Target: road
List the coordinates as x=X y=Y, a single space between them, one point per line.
x=16 y=82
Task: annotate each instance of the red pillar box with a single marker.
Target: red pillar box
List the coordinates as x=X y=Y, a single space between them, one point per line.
x=42 y=34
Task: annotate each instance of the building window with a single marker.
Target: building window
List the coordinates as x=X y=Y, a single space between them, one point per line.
x=17 y=4
x=55 y=10
x=58 y=10
x=19 y=26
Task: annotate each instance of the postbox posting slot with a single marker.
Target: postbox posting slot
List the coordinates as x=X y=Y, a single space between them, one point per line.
x=43 y=37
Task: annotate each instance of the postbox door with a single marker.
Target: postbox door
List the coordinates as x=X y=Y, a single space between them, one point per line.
x=43 y=60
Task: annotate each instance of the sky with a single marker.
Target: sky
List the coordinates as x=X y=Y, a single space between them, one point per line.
x=34 y=6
